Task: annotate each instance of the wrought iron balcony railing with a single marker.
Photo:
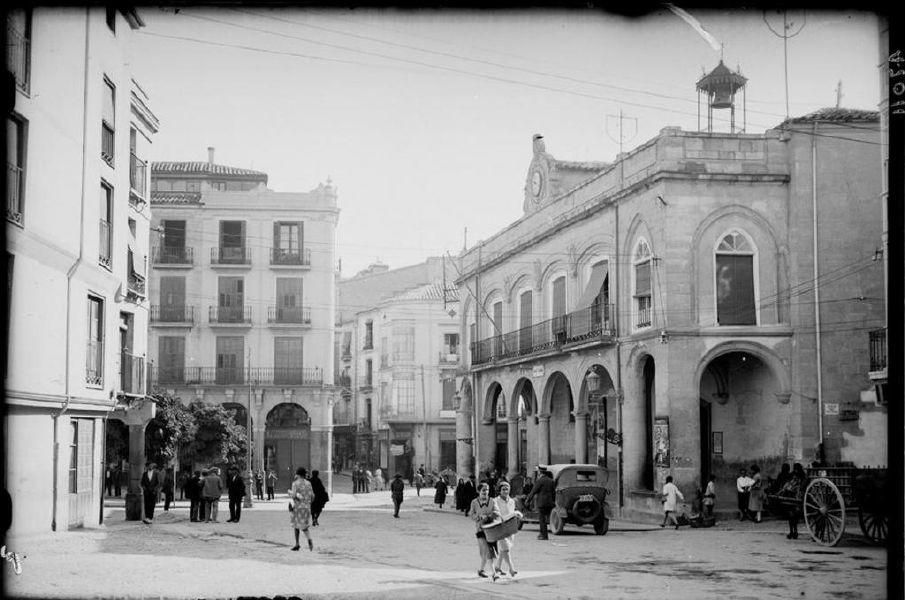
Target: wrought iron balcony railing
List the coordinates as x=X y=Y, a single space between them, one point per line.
x=297 y=257
x=173 y=255
x=365 y=381
x=18 y=57
x=14 y=193
x=449 y=358
x=230 y=314
x=289 y=314
x=643 y=319
x=877 y=350
x=94 y=363
x=135 y=283
x=172 y=314
x=108 y=143
x=104 y=243
x=132 y=374
x=138 y=177
x=231 y=255
x=255 y=376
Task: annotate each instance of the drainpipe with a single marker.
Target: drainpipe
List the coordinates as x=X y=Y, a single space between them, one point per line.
x=620 y=397
x=820 y=450
x=69 y=273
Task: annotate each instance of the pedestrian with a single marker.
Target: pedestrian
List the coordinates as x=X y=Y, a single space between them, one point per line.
x=505 y=506
x=108 y=480
x=785 y=473
x=471 y=492
x=117 y=481
x=235 y=490
x=320 y=497
x=181 y=480
x=150 y=488
x=460 y=496
x=543 y=492
x=212 y=490
x=355 y=482
x=396 y=490
x=669 y=495
x=743 y=485
x=793 y=490
x=756 y=494
x=366 y=478
x=271 y=482
x=492 y=482
x=169 y=488
x=259 y=485
x=421 y=470
x=710 y=497
x=440 y=492
x=300 y=496
x=193 y=487
x=419 y=481
x=160 y=477
x=378 y=479
x=483 y=510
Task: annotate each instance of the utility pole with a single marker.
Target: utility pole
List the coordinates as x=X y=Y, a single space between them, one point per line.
x=249 y=473
x=424 y=417
x=787 y=26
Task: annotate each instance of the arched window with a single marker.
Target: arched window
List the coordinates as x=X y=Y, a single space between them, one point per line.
x=641 y=261
x=734 y=277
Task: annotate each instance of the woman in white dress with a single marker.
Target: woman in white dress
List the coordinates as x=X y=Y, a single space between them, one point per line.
x=506 y=506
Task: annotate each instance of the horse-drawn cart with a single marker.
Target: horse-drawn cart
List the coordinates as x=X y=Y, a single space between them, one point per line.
x=831 y=491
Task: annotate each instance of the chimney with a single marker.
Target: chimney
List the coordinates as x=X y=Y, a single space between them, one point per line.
x=210 y=155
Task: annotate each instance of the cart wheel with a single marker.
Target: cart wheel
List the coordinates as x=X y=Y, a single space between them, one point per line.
x=557 y=524
x=824 y=512
x=874 y=525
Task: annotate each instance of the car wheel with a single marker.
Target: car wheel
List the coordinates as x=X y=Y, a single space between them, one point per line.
x=557 y=524
x=585 y=511
x=602 y=526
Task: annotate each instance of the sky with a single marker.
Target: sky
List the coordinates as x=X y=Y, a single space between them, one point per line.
x=423 y=120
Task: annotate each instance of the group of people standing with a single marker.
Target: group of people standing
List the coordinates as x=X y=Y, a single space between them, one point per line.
x=364 y=479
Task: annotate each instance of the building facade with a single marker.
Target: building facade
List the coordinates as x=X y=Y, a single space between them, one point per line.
x=242 y=305
x=659 y=316
x=77 y=236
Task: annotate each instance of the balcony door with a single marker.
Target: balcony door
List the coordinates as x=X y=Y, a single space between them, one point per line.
x=173 y=242
x=232 y=241
x=230 y=359
x=289 y=299
x=172 y=299
x=171 y=359
x=287 y=242
x=524 y=338
x=230 y=299
x=287 y=360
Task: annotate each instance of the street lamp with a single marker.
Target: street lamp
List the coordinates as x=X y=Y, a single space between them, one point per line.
x=593 y=381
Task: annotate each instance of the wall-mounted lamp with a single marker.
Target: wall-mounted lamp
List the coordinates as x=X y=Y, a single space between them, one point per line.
x=664 y=337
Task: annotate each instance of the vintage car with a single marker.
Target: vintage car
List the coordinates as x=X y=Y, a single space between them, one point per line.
x=580 y=498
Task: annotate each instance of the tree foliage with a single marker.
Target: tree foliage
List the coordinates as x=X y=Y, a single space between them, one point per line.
x=217 y=439
x=173 y=426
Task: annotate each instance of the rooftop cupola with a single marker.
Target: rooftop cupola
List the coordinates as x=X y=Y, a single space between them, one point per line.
x=720 y=87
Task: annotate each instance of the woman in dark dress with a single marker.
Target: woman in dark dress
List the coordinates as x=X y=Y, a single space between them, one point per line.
x=461 y=504
x=320 y=497
x=440 y=494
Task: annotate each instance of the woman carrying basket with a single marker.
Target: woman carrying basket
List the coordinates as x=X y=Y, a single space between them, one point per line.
x=505 y=506
x=482 y=511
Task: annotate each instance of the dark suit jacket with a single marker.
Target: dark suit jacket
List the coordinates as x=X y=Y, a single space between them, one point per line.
x=150 y=485
x=544 y=491
x=235 y=487
x=397 y=487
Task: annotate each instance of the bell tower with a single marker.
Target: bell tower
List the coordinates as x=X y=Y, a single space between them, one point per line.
x=720 y=87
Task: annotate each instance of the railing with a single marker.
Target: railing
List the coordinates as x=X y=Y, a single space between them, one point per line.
x=369 y=344
x=94 y=363
x=346 y=352
x=138 y=170
x=237 y=375
x=176 y=255
x=643 y=317
x=365 y=381
x=18 y=57
x=448 y=358
x=132 y=374
x=108 y=143
x=172 y=314
x=14 y=193
x=343 y=381
x=104 y=241
x=135 y=282
x=593 y=323
x=878 y=350
x=282 y=256
x=229 y=314
x=231 y=255
x=288 y=314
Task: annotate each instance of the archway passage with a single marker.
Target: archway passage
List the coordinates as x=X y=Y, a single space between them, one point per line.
x=602 y=418
x=562 y=419
x=526 y=429
x=287 y=442
x=116 y=443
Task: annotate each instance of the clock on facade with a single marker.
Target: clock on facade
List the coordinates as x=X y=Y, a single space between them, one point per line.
x=537 y=181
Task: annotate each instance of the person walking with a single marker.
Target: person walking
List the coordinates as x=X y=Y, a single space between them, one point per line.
x=259 y=485
x=235 y=489
x=483 y=510
x=505 y=505
x=150 y=488
x=108 y=480
x=117 y=481
x=756 y=494
x=459 y=495
x=543 y=493
x=378 y=479
x=794 y=488
x=300 y=495
x=710 y=497
x=212 y=490
x=742 y=486
x=670 y=494
x=355 y=482
x=193 y=486
x=271 y=482
x=169 y=488
x=440 y=492
x=320 y=497
x=419 y=481
x=397 y=487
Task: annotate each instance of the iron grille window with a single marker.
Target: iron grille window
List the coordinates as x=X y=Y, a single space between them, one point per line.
x=15 y=168
x=108 y=123
x=95 y=352
x=642 y=292
x=105 y=243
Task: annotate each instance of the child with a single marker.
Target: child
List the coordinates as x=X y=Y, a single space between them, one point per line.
x=710 y=497
x=670 y=494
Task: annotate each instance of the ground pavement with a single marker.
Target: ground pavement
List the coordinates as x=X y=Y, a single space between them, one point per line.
x=361 y=552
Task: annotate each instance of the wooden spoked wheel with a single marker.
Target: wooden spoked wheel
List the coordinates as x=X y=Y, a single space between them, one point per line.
x=874 y=525
x=824 y=512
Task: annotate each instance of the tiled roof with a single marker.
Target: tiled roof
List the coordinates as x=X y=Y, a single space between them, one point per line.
x=203 y=168
x=431 y=291
x=839 y=115
x=175 y=197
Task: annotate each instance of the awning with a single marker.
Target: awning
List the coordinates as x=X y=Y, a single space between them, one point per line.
x=595 y=283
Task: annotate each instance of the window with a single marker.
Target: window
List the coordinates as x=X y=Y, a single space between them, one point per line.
x=449 y=394
x=497 y=329
x=347 y=343
x=105 y=241
x=369 y=372
x=173 y=250
x=230 y=300
x=734 y=260
x=172 y=300
x=94 y=374
x=451 y=344
x=404 y=343
x=18 y=47
x=15 y=168
x=404 y=386
x=592 y=307
x=171 y=359
x=108 y=122
x=642 y=293
x=524 y=322
x=73 y=456
x=219 y=186
x=369 y=335
x=558 y=306
x=384 y=353
x=138 y=170
x=232 y=242
x=230 y=359
x=287 y=360
x=287 y=242
x=289 y=300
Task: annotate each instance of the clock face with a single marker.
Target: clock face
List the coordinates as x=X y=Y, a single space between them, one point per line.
x=536 y=182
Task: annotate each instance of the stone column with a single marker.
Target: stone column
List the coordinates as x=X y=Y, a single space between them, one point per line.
x=137 y=418
x=581 y=437
x=543 y=439
x=464 y=440
x=512 y=446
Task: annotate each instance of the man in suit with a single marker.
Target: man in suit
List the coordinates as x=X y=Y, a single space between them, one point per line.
x=396 y=490
x=235 y=487
x=150 y=488
x=543 y=492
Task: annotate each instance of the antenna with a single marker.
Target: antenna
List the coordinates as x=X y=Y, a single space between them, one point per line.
x=621 y=135
x=787 y=26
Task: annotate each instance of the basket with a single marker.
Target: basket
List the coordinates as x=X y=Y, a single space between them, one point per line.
x=500 y=529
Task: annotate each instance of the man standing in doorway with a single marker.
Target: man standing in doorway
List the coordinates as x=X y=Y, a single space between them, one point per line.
x=543 y=493
x=150 y=488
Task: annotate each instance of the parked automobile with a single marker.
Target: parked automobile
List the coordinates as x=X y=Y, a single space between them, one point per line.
x=580 y=498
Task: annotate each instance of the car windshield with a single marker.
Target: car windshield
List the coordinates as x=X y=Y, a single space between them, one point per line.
x=582 y=477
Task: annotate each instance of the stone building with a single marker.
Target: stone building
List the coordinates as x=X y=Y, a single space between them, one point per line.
x=78 y=131
x=242 y=305
x=659 y=315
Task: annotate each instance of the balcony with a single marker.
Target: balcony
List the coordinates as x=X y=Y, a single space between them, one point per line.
x=258 y=376
x=135 y=285
x=230 y=315
x=14 y=178
x=448 y=359
x=588 y=326
x=343 y=381
x=108 y=143
x=178 y=315
x=138 y=181
x=231 y=256
x=347 y=353
x=365 y=383
x=643 y=317
x=132 y=374
x=369 y=344
x=94 y=363
x=288 y=315
x=281 y=257
x=105 y=232
x=173 y=256
x=342 y=414
x=878 y=354
x=18 y=57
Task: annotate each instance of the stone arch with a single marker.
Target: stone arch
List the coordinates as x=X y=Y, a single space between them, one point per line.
x=769 y=357
x=287 y=441
x=518 y=281
x=488 y=411
x=607 y=383
x=558 y=409
x=638 y=227
x=521 y=386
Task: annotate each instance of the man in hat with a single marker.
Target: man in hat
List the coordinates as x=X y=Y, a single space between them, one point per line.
x=150 y=488
x=396 y=489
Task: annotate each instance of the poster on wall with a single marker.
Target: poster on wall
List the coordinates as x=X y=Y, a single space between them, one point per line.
x=717 y=444
x=661 y=441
